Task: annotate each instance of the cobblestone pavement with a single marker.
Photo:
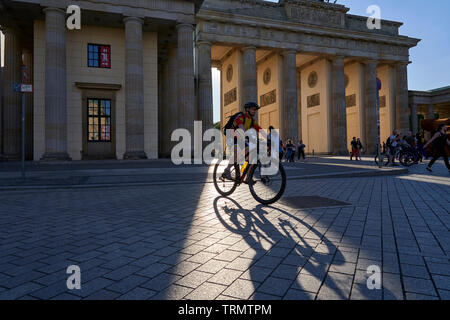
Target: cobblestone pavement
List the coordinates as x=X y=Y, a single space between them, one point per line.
x=186 y=242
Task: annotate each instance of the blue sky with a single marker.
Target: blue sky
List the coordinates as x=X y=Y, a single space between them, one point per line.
x=426 y=20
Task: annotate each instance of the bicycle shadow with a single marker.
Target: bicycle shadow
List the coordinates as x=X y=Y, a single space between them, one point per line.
x=262 y=235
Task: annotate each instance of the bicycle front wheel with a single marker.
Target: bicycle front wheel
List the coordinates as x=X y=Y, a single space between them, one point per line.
x=267 y=187
x=384 y=160
x=226 y=177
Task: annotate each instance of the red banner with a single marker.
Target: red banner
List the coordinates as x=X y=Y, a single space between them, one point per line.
x=105 y=56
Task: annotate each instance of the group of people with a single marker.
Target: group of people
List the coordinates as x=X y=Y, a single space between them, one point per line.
x=357 y=148
x=289 y=150
x=416 y=144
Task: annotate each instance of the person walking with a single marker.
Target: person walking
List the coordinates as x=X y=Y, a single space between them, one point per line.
x=354 y=145
x=289 y=150
x=439 y=141
x=360 y=147
x=301 y=150
x=420 y=149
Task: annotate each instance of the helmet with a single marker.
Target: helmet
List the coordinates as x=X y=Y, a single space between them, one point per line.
x=249 y=105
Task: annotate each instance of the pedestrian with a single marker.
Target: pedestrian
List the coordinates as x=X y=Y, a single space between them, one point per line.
x=301 y=150
x=360 y=148
x=289 y=150
x=294 y=149
x=354 y=145
x=420 y=149
x=440 y=142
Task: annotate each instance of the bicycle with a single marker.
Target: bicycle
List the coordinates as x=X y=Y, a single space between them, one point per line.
x=384 y=156
x=266 y=189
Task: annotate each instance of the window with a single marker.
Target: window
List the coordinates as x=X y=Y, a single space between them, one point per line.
x=99 y=120
x=99 y=56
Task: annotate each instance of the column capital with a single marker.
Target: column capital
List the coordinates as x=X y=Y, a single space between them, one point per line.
x=288 y=52
x=402 y=63
x=54 y=9
x=136 y=19
x=204 y=43
x=246 y=48
x=185 y=25
x=370 y=62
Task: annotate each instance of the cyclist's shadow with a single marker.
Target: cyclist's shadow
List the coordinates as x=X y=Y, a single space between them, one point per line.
x=255 y=229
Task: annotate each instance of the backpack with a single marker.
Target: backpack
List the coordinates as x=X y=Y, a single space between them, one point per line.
x=388 y=141
x=229 y=125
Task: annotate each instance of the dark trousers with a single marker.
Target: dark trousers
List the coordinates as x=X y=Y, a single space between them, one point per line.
x=301 y=153
x=436 y=155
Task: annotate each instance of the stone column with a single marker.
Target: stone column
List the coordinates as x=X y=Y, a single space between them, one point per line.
x=289 y=107
x=12 y=101
x=371 y=107
x=339 y=111
x=299 y=102
x=172 y=95
x=134 y=89
x=1 y=106
x=28 y=62
x=249 y=78
x=205 y=99
x=165 y=114
x=430 y=112
x=55 y=86
x=402 y=98
x=185 y=74
x=414 y=118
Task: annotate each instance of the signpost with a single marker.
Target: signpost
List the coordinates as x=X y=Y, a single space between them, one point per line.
x=25 y=88
x=380 y=161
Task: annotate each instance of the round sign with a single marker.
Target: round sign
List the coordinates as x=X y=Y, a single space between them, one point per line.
x=378 y=84
x=312 y=79
x=230 y=73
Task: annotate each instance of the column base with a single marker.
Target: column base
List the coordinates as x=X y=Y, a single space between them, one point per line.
x=56 y=157
x=135 y=155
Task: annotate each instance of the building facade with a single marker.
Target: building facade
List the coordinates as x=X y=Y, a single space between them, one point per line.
x=137 y=70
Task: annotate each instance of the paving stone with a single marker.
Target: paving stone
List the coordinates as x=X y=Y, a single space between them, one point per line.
x=362 y=292
x=228 y=255
x=415 y=271
x=122 y=272
x=161 y=282
x=299 y=295
x=225 y=276
x=419 y=286
x=442 y=282
x=173 y=292
x=337 y=286
x=213 y=266
x=193 y=279
x=275 y=286
x=240 y=289
x=19 y=291
x=207 y=291
x=181 y=269
x=256 y=274
x=127 y=284
x=307 y=283
x=103 y=295
x=138 y=294
x=285 y=271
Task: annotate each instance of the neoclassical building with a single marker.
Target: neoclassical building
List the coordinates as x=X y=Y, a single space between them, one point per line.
x=139 y=69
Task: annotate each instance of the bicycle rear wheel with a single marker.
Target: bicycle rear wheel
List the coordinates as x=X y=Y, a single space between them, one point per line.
x=265 y=187
x=226 y=184
x=407 y=159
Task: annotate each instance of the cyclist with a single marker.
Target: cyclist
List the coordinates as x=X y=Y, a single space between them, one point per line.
x=244 y=121
x=392 y=144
